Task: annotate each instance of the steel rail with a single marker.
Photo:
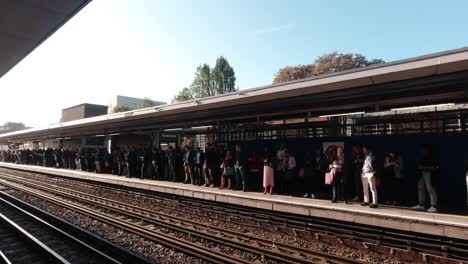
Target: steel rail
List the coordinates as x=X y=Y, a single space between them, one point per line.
x=88 y=242
x=4 y=259
x=145 y=214
x=54 y=256
x=158 y=237
x=394 y=239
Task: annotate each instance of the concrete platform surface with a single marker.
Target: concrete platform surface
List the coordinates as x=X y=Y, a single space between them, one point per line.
x=454 y=226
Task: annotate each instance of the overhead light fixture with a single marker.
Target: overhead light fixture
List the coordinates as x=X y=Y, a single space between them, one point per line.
x=114 y=134
x=67 y=138
x=202 y=127
x=422 y=106
x=100 y=135
x=344 y=114
x=163 y=144
x=173 y=129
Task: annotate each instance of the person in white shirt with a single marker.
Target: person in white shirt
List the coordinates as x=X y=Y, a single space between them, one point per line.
x=368 y=178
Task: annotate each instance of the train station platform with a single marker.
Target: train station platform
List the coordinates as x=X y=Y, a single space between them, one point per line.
x=453 y=226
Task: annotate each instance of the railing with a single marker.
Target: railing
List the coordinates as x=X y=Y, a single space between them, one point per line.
x=413 y=124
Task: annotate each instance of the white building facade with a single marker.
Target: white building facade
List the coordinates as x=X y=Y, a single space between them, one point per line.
x=130 y=102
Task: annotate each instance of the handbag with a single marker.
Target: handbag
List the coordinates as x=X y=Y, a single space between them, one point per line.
x=301 y=172
x=230 y=171
x=329 y=177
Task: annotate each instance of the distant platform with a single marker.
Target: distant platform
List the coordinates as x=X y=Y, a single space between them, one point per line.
x=453 y=226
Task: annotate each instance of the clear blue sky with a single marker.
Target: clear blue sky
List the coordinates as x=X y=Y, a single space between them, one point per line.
x=149 y=48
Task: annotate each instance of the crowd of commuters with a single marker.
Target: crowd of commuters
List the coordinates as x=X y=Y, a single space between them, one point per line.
x=271 y=171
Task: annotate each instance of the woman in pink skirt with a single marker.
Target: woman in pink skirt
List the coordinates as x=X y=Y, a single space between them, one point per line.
x=268 y=177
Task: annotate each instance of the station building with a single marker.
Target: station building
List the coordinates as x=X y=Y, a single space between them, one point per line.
x=82 y=111
x=130 y=102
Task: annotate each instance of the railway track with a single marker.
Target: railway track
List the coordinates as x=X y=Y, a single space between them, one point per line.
x=143 y=222
x=27 y=238
x=426 y=245
x=395 y=240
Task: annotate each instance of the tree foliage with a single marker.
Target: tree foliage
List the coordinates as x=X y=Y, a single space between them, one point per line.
x=327 y=63
x=209 y=81
x=147 y=102
x=224 y=79
x=184 y=95
x=120 y=108
x=202 y=85
x=12 y=127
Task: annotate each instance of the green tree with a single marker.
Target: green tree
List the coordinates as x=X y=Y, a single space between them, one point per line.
x=224 y=79
x=120 y=108
x=183 y=95
x=210 y=81
x=12 y=127
x=147 y=102
x=202 y=85
x=327 y=63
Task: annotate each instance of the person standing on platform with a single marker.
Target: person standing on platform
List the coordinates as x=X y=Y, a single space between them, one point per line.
x=210 y=163
x=127 y=162
x=368 y=178
x=133 y=158
x=280 y=167
x=142 y=160
x=115 y=161
x=123 y=166
x=43 y=158
x=321 y=167
x=78 y=160
x=339 y=182
x=428 y=173
x=356 y=167
x=107 y=160
x=255 y=165
x=65 y=159
x=199 y=161
x=58 y=158
x=155 y=164
x=163 y=165
x=228 y=170
x=179 y=165
x=240 y=166
x=90 y=159
x=97 y=161
x=308 y=175
x=268 y=176
x=188 y=158
x=290 y=173
x=393 y=178
x=171 y=160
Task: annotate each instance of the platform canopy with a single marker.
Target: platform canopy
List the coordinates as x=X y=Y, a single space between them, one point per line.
x=432 y=79
x=25 y=24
